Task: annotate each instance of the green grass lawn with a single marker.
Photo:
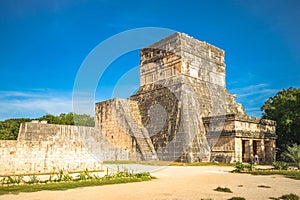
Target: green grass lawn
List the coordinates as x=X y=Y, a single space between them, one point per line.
x=15 y=189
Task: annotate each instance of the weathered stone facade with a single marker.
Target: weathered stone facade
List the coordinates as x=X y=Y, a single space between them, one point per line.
x=47 y=148
x=182 y=111
x=184 y=79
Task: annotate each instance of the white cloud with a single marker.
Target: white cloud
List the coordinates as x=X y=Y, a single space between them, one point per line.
x=252 y=97
x=254 y=90
x=17 y=104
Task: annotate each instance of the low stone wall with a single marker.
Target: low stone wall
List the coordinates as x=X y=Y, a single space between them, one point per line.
x=45 y=148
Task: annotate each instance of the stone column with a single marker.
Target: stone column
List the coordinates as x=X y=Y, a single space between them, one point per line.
x=238 y=150
x=262 y=153
x=251 y=157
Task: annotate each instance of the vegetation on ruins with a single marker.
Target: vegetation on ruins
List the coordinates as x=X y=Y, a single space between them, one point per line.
x=64 y=181
x=284 y=108
x=9 y=129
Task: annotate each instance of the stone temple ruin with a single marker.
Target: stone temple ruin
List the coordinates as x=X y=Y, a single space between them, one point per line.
x=181 y=112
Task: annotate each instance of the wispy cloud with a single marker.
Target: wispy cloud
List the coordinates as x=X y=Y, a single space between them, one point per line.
x=252 y=97
x=253 y=90
x=16 y=104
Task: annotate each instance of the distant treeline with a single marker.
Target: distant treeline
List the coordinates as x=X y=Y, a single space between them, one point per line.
x=9 y=129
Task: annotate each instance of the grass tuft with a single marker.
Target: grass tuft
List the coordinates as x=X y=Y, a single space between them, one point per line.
x=223 y=189
x=290 y=196
x=263 y=186
x=237 y=198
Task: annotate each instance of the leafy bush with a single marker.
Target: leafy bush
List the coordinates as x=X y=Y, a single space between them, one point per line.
x=249 y=167
x=293 y=154
x=239 y=167
x=223 y=189
x=280 y=165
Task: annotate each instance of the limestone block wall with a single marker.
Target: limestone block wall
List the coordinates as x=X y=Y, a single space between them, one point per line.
x=45 y=148
x=224 y=150
x=107 y=121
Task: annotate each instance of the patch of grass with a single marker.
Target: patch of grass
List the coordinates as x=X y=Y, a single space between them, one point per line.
x=223 y=189
x=68 y=185
x=263 y=186
x=290 y=196
x=240 y=185
x=64 y=181
x=294 y=174
x=280 y=165
x=237 y=198
x=241 y=168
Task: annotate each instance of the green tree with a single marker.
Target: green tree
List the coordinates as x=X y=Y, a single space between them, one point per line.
x=284 y=108
x=69 y=119
x=293 y=154
x=9 y=129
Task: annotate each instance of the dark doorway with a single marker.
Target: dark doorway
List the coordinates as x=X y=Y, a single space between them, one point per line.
x=255 y=147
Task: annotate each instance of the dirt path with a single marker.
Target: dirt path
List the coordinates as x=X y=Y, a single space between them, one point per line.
x=179 y=183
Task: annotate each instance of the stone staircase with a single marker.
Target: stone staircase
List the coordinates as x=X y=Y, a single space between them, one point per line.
x=130 y=120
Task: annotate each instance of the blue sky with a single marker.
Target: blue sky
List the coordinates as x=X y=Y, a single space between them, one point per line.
x=43 y=44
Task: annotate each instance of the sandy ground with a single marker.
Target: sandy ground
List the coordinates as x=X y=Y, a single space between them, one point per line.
x=179 y=183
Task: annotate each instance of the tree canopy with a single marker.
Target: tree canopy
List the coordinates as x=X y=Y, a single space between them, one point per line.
x=284 y=108
x=9 y=129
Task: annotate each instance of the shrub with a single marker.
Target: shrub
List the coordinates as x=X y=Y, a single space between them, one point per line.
x=3 y=180
x=280 y=165
x=82 y=176
x=249 y=167
x=223 y=189
x=14 y=179
x=239 y=167
x=67 y=178
x=293 y=153
x=33 y=179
